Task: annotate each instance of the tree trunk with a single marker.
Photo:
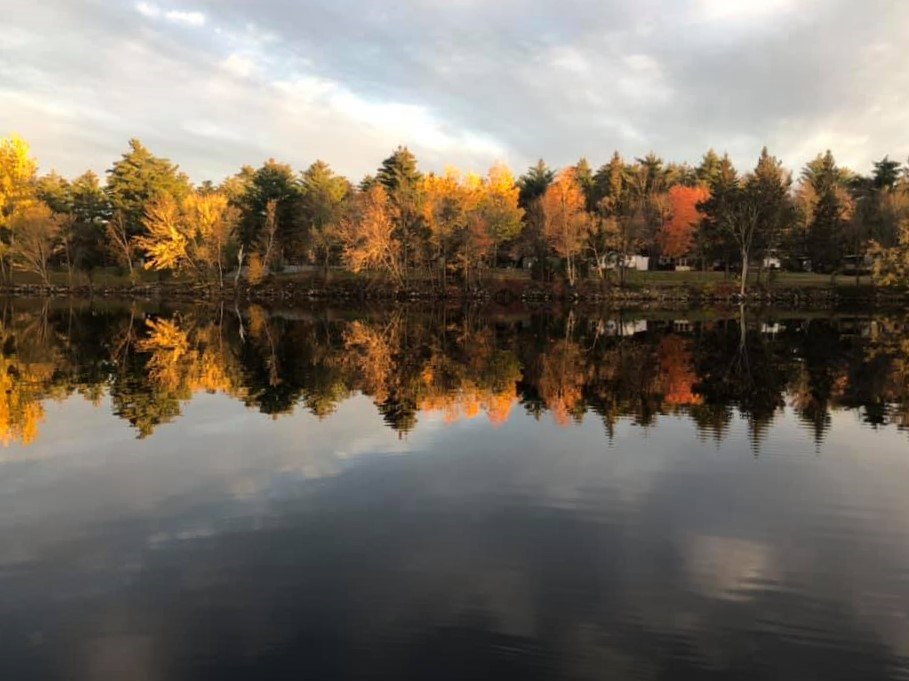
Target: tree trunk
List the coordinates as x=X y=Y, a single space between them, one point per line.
x=744 y=272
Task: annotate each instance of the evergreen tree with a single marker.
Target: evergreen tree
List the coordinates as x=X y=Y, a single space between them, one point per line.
x=710 y=168
x=886 y=173
x=273 y=182
x=770 y=185
x=534 y=183
x=138 y=178
x=400 y=177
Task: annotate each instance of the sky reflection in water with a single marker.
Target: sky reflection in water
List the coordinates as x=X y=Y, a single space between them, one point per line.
x=640 y=507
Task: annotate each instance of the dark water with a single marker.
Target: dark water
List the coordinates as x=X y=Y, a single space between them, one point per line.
x=254 y=494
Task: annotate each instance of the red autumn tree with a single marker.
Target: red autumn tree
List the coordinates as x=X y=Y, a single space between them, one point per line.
x=677 y=234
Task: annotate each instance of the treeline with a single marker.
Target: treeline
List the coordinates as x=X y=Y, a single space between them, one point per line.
x=452 y=229
x=460 y=364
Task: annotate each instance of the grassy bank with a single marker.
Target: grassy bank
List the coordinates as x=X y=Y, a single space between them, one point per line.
x=657 y=286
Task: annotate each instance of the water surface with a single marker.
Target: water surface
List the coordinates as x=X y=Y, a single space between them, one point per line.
x=223 y=493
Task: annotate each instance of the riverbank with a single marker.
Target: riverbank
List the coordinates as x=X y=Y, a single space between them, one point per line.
x=651 y=288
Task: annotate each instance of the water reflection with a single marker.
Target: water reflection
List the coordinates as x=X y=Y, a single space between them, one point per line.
x=413 y=362
x=218 y=493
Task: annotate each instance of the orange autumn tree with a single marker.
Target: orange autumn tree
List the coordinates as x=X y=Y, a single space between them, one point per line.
x=566 y=221
x=676 y=236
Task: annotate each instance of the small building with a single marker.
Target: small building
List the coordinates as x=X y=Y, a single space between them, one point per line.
x=640 y=263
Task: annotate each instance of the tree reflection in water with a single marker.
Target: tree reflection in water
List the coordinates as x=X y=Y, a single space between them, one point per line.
x=460 y=363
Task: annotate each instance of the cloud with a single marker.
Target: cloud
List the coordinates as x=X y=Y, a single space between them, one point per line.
x=148 y=10
x=462 y=83
x=152 y=11
x=188 y=18
x=740 y=10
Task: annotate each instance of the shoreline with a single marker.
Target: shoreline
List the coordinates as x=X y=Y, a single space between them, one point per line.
x=531 y=293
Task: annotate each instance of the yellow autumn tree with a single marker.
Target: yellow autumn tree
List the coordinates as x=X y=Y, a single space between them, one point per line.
x=445 y=214
x=191 y=236
x=17 y=187
x=35 y=231
x=499 y=206
x=566 y=223
x=17 y=176
x=891 y=265
x=368 y=238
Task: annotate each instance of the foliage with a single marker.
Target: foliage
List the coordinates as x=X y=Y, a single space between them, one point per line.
x=35 y=230
x=138 y=178
x=566 y=223
x=677 y=235
x=17 y=176
x=193 y=235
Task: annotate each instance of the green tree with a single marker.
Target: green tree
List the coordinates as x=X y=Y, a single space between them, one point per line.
x=323 y=203
x=55 y=191
x=90 y=212
x=886 y=173
x=138 y=178
x=273 y=182
x=400 y=177
x=710 y=169
x=714 y=241
x=534 y=183
x=828 y=217
x=769 y=186
x=735 y=214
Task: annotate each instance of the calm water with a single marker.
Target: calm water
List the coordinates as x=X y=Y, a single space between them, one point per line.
x=320 y=494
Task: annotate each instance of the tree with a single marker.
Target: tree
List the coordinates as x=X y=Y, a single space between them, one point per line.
x=55 y=191
x=500 y=207
x=138 y=178
x=715 y=241
x=565 y=221
x=36 y=230
x=400 y=178
x=90 y=211
x=710 y=169
x=192 y=236
x=647 y=204
x=769 y=186
x=886 y=173
x=891 y=265
x=17 y=189
x=323 y=202
x=17 y=175
x=619 y=228
x=273 y=182
x=827 y=208
x=677 y=235
x=534 y=183
x=733 y=211
x=368 y=238
x=445 y=212
x=122 y=245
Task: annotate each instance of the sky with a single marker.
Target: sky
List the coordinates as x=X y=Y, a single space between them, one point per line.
x=215 y=84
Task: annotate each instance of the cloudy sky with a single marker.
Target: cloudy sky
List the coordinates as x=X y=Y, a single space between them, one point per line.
x=214 y=84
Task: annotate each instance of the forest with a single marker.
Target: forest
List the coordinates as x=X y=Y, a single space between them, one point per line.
x=453 y=230
x=455 y=363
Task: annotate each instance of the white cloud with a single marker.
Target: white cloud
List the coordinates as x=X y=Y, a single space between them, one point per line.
x=239 y=65
x=570 y=59
x=306 y=80
x=188 y=18
x=148 y=10
x=175 y=16
x=740 y=10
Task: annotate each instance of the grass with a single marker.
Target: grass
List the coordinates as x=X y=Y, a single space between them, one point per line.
x=779 y=279
x=111 y=277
